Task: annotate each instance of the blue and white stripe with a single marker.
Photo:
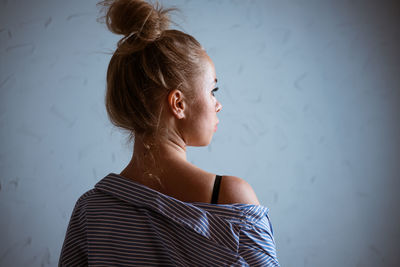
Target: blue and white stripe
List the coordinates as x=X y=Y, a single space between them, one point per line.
x=121 y=222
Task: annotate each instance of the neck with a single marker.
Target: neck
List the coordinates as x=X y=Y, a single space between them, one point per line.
x=155 y=157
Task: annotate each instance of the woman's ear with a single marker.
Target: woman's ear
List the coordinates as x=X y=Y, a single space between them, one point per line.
x=176 y=103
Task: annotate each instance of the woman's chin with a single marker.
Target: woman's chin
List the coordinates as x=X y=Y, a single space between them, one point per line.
x=201 y=143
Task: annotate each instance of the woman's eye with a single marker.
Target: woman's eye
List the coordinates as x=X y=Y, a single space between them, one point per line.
x=214 y=90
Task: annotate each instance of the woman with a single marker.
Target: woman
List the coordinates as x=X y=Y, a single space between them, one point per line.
x=161 y=210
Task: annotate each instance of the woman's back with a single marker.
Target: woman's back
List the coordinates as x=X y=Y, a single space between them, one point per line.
x=184 y=181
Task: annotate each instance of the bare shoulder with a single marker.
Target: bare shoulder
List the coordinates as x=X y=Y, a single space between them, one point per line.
x=236 y=190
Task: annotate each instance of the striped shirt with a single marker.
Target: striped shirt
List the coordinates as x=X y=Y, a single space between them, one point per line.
x=123 y=223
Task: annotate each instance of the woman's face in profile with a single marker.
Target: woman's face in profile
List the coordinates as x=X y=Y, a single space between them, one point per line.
x=203 y=112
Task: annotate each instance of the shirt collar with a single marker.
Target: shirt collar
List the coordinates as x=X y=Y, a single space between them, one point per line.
x=193 y=215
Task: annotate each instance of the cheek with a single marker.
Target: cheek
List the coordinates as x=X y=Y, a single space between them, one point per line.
x=213 y=105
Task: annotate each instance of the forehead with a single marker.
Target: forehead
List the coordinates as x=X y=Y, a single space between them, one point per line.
x=208 y=72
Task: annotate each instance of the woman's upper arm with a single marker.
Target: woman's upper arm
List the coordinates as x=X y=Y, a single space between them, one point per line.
x=74 y=248
x=257 y=247
x=236 y=190
x=257 y=244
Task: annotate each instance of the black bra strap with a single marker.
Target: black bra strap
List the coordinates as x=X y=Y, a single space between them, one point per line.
x=217 y=183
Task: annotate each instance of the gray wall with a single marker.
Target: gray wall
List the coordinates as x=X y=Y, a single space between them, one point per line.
x=311 y=99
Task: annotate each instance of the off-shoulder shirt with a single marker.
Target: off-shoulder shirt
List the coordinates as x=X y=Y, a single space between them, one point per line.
x=123 y=223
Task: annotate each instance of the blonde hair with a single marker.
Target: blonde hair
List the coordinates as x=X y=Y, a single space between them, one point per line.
x=149 y=62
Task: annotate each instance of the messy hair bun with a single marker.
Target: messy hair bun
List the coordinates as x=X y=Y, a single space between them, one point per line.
x=139 y=22
x=149 y=62
x=138 y=17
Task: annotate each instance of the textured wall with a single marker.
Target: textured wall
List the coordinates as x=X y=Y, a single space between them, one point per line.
x=311 y=116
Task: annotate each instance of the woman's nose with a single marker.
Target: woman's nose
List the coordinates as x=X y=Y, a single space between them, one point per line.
x=219 y=106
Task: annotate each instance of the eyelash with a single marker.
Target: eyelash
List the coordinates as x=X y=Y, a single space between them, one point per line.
x=214 y=90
